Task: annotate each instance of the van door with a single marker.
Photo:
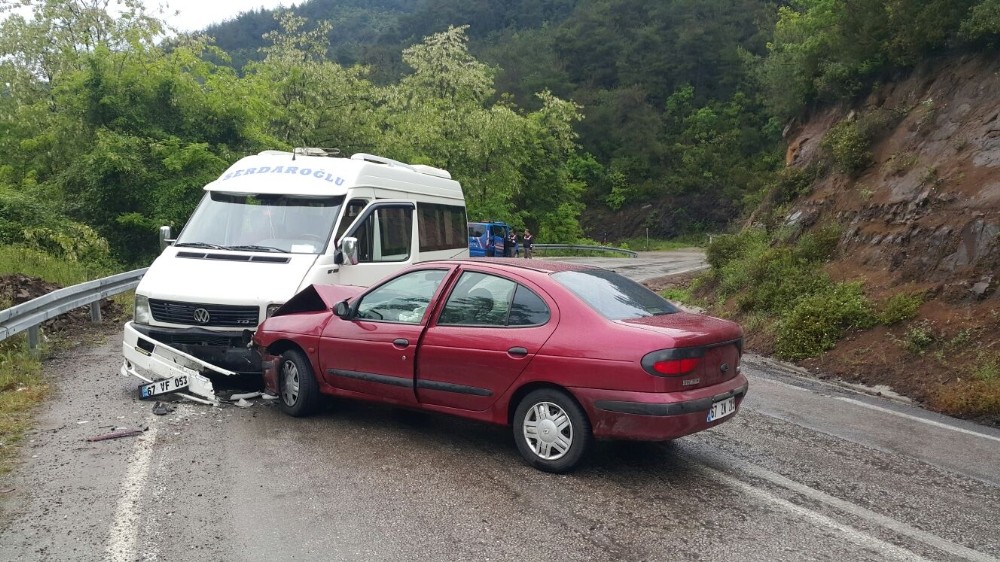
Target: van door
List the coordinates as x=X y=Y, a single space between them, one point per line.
x=387 y=241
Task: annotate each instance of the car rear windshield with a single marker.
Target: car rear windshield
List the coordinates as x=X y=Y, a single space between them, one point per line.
x=613 y=296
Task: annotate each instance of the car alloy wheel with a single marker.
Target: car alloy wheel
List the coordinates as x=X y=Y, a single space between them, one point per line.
x=289 y=382
x=297 y=384
x=548 y=431
x=551 y=430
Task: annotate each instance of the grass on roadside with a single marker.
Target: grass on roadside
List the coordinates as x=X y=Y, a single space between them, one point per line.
x=33 y=263
x=21 y=388
x=657 y=245
x=21 y=384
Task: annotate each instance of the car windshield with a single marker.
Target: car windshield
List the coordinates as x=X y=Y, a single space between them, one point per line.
x=615 y=297
x=263 y=223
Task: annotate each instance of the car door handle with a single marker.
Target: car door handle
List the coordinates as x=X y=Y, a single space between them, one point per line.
x=517 y=351
x=400 y=342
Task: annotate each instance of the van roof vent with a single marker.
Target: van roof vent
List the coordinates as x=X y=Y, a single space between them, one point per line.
x=431 y=171
x=380 y=160
x=315 y=151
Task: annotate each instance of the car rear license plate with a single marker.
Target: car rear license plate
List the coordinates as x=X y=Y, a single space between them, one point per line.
x=164 y=386
x=722 y=408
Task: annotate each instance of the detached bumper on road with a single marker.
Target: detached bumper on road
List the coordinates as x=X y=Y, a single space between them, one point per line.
x=150 y=360
x=650 y=416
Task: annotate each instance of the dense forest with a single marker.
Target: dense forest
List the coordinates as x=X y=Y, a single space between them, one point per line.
x=572 y=117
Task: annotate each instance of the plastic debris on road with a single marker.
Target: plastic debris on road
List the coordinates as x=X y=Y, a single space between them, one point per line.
x=117 y=434
x=162 y=409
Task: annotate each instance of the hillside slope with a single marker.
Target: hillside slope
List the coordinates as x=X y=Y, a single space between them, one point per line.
x=923 y=218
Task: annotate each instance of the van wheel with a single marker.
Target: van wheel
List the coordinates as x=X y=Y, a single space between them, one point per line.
x=297 y=386
x=551 y=431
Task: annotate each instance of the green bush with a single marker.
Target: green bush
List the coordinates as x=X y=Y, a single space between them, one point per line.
x=727 y=248
x=983 y=23
x=818 y=245
x=850 y=150
x=771 y=279
x=899 y=308
x=987 y=368
x=919 y=338
x=849 y=142
x=819 y=320
x=777 y=280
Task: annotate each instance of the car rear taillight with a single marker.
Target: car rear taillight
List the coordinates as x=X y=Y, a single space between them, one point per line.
x=672 y=362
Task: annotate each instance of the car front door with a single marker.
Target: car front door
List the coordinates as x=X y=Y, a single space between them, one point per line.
x=485 y=335
x=373 y=353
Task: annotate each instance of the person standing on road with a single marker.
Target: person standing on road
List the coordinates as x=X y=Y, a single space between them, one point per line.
x=528 y=240
x=511 y=247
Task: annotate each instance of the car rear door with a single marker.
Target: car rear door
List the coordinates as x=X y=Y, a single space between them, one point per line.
x=484 y=336
x=374 y=352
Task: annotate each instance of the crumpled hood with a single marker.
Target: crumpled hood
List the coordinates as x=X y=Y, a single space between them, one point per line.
x=224 y=281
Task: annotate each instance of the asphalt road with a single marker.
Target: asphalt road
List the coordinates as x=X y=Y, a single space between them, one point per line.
x=805 y=471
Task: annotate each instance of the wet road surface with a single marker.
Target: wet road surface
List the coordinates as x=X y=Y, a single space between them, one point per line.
x=805 y=471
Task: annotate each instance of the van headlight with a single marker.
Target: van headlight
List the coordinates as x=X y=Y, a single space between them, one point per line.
x=142 y=314
x=271 y=309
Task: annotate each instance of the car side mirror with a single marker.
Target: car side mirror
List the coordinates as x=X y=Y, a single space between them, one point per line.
x=342 y=309
x=349 y=250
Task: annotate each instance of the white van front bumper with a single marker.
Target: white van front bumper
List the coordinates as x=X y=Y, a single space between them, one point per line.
x=150 y=360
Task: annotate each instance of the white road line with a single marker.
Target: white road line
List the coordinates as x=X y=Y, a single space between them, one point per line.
x=850 y=508
x=889 y=411
x=919 y=419
x=857 y=537
x=125 y=529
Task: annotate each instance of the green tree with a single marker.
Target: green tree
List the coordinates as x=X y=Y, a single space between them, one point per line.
x=310 y=100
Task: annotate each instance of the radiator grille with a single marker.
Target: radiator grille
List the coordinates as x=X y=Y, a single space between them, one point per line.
x=194 y=314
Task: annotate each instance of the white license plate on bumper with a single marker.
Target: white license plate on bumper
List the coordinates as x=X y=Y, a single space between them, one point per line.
x=722 y=408
x=164 y=386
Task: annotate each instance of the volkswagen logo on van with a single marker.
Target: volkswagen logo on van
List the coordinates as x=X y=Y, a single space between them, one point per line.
x=201 y=316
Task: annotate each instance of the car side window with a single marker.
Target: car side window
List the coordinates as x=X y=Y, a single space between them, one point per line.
x=403 y=299
x=527 y=309
x=479 y=299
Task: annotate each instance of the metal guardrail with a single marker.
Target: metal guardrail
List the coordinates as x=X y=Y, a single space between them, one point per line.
x=29 y=315
x=577 y=247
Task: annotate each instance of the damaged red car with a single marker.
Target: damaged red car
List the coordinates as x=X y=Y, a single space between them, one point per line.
x=562 y=353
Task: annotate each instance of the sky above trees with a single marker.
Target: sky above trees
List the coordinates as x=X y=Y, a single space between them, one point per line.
x=194 y=15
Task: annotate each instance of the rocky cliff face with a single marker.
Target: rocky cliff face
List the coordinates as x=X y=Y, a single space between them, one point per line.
x=927 y=211
x=924 y=219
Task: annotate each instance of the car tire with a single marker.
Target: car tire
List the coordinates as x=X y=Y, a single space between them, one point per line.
x=552 y=432
x=298 y=392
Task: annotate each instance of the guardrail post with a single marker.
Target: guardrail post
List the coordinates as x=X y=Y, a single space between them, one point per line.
x=95 y=312
x=33 y=340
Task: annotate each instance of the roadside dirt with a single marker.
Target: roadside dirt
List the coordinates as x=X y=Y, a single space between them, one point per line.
x=16 y=289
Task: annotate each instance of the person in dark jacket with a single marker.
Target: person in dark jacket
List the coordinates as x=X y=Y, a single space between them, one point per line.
x=511 y=248
x=528 y=240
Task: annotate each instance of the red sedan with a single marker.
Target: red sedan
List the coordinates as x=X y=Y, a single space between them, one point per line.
x=563 y=353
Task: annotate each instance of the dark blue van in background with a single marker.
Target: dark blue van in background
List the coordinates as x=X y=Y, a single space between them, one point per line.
x=487 y=239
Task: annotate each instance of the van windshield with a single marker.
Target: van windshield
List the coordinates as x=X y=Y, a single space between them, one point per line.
x=262 y=222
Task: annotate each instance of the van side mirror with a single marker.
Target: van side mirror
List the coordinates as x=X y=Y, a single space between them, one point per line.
x=342 y=309
x=349 y=249
x=165 y=239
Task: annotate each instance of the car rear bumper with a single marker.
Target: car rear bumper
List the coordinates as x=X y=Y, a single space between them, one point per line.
x=650 y=416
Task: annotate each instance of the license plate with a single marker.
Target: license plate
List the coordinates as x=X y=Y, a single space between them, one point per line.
x=164 y=386
x=722 y=408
